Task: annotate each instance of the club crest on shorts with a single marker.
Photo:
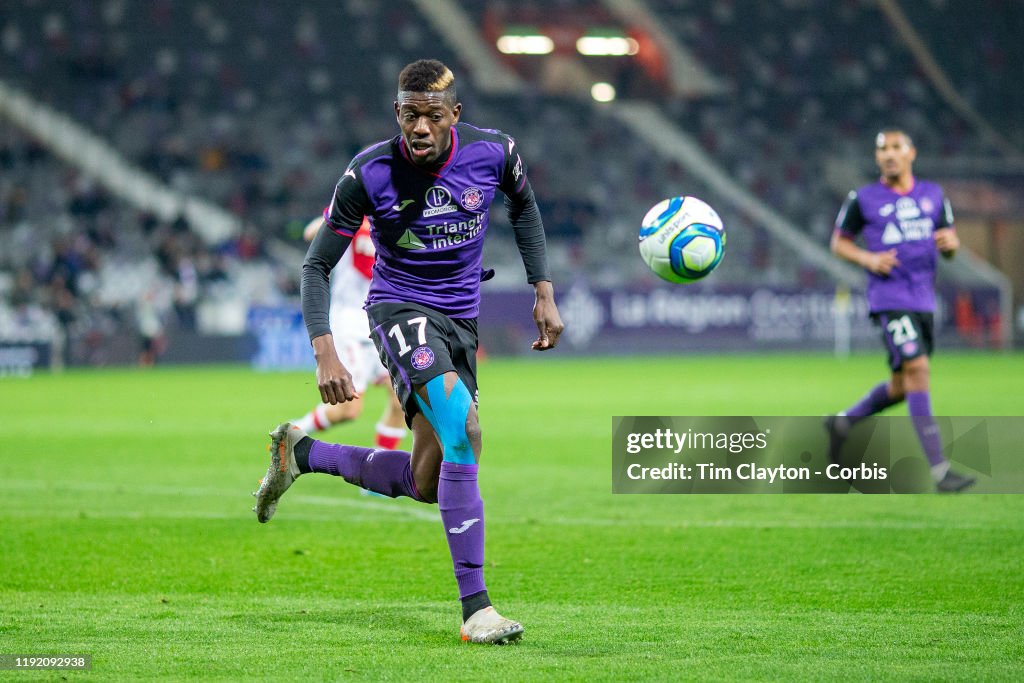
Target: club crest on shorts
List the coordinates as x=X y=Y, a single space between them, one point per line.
x=472 y=198
x=422 y=358
x=909 y=348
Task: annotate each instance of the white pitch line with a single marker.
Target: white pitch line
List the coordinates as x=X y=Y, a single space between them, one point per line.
x=368 y=502
x=194 y=514
x=429 y=514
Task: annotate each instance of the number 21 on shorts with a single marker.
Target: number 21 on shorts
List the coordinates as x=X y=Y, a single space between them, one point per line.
x=417 y=324
x=902 y=330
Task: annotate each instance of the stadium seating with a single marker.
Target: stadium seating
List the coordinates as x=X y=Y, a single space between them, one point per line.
x=811 y=89
x=190 y=91
x=257 y=107
x=80 y=263
x=992 y=30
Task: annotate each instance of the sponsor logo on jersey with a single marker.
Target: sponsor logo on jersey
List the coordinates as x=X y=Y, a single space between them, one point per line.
x=917 y=228
x=422 y=358
x=892 y=234
x=439 y=201
x=449 y=234
x=906 y=208
x=909 y=222
x=472 y=198
x=410 y=241
x=401 y=207
x=442 y=235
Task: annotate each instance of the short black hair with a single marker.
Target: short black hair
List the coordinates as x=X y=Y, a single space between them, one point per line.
x=427 y=75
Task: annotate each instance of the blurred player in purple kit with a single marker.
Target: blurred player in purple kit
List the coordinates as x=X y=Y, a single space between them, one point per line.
x=903 y=221
x=427 y=193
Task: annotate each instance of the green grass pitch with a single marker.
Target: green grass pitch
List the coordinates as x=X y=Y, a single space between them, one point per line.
x=126 y=533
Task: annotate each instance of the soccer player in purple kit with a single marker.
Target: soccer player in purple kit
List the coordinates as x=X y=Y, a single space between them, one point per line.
x=903 y=220
x=427 y=193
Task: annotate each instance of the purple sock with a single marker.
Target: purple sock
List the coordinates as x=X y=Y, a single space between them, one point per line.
x=462 y=512
x=920 y=406
x=875 y=401
x=385 y=472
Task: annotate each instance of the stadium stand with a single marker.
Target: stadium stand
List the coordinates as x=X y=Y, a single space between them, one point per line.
x=258 y=106
x=188 y=91
x=806 y=92
x=992 y=28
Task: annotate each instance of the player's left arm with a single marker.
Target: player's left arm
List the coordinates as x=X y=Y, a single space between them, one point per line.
x=946 y=239
x=545 y=314
x=528 y=228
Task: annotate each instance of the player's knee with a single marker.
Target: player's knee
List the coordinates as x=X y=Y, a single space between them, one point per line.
x=473 y=434
x=460 y=450
x=895 y=388
x=457 y=444
x=449 y=414
x=915 y=374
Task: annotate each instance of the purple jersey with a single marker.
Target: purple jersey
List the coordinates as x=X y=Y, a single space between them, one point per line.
x=428 y=225
x=905 y=222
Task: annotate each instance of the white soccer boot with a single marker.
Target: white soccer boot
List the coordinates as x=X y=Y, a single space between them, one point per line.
x=282 y=472
x=487 y=626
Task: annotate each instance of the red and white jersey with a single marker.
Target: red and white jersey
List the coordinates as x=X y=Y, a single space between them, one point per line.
x=350 y=283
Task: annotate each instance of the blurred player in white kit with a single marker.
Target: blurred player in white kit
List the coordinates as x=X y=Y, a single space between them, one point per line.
x=350 y=282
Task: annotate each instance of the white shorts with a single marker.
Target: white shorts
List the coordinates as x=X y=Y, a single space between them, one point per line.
x=351 y=333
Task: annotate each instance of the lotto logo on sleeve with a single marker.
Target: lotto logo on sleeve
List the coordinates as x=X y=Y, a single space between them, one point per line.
x=422 y=358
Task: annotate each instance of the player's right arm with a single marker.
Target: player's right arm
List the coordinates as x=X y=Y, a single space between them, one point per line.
x=341 y=221
x=849 y=223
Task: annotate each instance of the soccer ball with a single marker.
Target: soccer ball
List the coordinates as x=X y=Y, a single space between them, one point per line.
x=682 y=239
